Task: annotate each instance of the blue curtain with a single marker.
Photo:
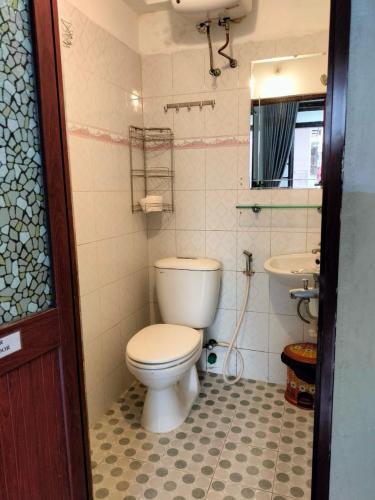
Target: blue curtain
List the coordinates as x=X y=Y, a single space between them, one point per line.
x=274 y=126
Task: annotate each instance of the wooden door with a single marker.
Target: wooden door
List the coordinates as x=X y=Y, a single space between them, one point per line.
x=42 y=417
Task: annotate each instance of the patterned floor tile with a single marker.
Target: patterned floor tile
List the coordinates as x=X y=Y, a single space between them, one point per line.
x=198 y=455
x=262 y=431
x=133 y=479
x=293 y=475
x=297 y=430
x=280 y=497
x=240 y=441
x=230 y=491
x=253 y=467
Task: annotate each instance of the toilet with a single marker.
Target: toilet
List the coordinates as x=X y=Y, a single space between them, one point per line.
x=163 y=357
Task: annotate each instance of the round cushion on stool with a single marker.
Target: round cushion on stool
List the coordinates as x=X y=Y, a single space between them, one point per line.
x=301 y=362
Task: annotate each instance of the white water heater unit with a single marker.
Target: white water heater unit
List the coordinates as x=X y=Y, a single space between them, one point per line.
x=204 y=10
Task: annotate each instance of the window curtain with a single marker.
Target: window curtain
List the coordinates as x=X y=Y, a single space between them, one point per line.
x=274 y=129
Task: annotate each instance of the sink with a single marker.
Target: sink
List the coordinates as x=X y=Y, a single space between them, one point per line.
x=291 y=269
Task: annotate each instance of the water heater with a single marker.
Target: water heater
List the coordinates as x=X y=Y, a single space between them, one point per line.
x=203 y=10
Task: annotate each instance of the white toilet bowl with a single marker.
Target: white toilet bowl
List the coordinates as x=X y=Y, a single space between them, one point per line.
x=167 y=368
x=163 y=356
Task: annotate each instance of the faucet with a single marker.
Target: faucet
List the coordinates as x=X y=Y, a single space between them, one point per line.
x=306 y=292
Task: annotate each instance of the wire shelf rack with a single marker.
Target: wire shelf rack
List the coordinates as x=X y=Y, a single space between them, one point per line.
x=151 y=165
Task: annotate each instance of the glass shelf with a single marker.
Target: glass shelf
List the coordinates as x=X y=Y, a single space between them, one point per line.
x=258 y=208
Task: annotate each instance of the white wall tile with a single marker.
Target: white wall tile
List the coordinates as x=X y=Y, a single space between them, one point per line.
x=156 y=75
x=280 y=301
x=284 y=330
x=90 y=316
x=256 y=365
x=128 y=329
x=190 y=210
x=87 y=268
x=189 y=124
x=161 y=220
x=84 y=217
x=253 y=332
x=80 y=164
x=313 y=240
x=228 y=291
x=259 y=292
x=290 y=218
x=190 y=243
x=286 y=242
x=243 y=167
x=244 y=112
x=93 y=363
x=289 y=196
x=108 y=260
x=221 y=245
x=256 y=242
x=223 y=119
x=115 y=384
x=314 y=220
x=128 y=303
x=140 y=250
x=188 y=71
x=110 y=305
x=154 y=114
x=221 y=168
x=247 y=219
x=112 y=353
x=223 y=326
x=221 y=210
x=189 y=169
x=253 y=51
x=162 y=244
x=218 y=366
x=276 y=369
x=315 y=196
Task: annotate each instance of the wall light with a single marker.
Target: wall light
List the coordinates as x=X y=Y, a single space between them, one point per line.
x=277 y=85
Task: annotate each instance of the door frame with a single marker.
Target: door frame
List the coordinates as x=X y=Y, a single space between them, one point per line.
x=333 y=157
x=44 y=16
x=83 y=487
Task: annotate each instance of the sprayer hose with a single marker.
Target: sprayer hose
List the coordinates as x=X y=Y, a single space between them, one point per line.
x=231 y=345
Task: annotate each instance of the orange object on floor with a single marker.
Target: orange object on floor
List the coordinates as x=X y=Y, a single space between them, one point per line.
x=301 y=361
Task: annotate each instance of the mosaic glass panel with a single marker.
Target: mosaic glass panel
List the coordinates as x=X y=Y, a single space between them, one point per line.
x=25 y=273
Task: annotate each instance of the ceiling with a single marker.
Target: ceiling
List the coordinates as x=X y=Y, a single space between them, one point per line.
x=144 y=6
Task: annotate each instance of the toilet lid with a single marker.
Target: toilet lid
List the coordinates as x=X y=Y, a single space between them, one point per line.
x=163 y=343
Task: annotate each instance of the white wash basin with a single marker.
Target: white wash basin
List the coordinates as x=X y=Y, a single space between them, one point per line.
x=293 y=268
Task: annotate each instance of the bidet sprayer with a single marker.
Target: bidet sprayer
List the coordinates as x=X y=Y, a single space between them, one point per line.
x=249 y=260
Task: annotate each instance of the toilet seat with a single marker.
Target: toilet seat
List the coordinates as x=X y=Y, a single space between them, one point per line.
x=163 y=366
x=163 y=346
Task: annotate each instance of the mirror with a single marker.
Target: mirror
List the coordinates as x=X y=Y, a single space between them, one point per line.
x=287 y=121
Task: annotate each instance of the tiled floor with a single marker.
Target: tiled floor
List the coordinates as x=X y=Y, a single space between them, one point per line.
x=241 y=441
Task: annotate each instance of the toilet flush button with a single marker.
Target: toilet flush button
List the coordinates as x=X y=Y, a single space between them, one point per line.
x=10 y=344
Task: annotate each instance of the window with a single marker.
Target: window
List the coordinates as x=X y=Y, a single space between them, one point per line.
x=304 y=164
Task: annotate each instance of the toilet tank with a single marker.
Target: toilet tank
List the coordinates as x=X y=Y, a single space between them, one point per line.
x=188 y=290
